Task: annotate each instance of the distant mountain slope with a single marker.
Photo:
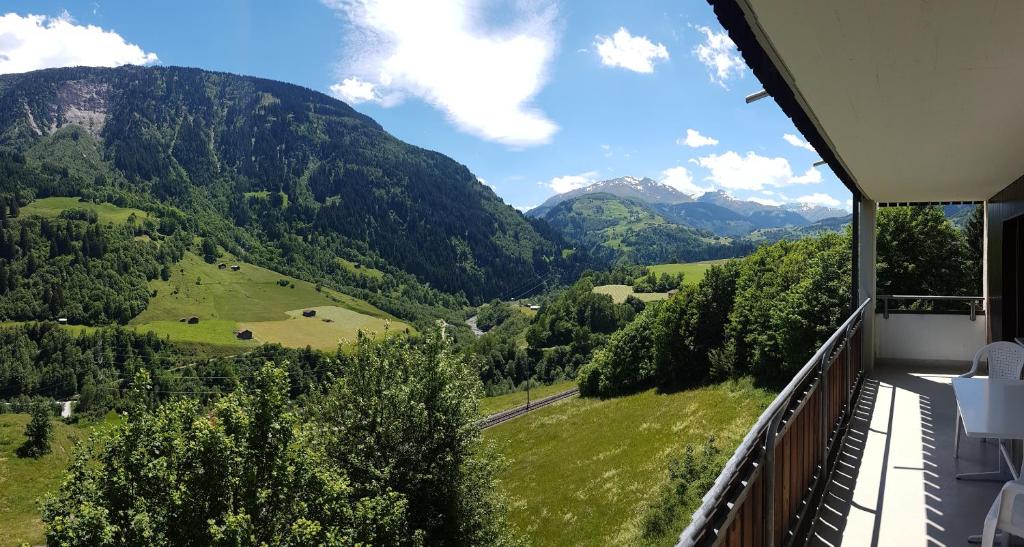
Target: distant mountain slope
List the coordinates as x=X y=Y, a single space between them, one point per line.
x=284 y=175
x=814 y=213
x=708 y=216
x=643 y=189
x=615 y=228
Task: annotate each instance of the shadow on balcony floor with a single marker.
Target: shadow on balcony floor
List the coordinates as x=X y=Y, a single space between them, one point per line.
x=895 y=483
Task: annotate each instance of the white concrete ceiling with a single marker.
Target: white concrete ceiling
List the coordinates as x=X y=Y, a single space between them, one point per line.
x=921 y=100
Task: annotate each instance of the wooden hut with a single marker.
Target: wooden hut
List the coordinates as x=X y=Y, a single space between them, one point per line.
x=244 y=334
x=309 y=313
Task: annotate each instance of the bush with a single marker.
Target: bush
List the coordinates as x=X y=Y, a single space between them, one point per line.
x=690 y=477
x=589 y=380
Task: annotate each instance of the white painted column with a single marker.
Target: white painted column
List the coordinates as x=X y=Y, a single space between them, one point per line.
x=866 y=259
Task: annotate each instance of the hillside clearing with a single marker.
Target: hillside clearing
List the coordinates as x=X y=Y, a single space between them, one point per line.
x=692 y=272
x=331 y=326
x=260 y=299
x=619 y=293
x=582 y=471
x=25 y=481
x=106 y=212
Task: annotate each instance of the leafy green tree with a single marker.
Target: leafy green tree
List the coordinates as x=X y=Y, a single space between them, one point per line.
x=974 y=233
x=403 y=420
x=240 y=473
x=790 y=297
x=37 y=432
x=209 y=250
x=921 y=252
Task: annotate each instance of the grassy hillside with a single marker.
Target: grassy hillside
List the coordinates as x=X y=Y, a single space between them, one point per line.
x=24 y=481
x=267 y=302
x=693 y=272
x=492 y=405
x=583 y=471
x=106 y=212
x=620 y=293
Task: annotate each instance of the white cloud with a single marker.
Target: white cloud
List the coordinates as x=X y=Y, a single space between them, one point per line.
x=765 y=201
x=354 y=90
x=483 y=78
x=819 y=199
x=798 y=142
x=719 y=55
x=681 y=179
x=524 y=208
x=695 y=140
x=483 y=181
x=635 y=53
x=569 y=183
x=752 y=171
x=32 y=42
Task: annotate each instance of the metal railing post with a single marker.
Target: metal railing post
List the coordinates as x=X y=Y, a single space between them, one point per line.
x=885 y=308
x=973 y=309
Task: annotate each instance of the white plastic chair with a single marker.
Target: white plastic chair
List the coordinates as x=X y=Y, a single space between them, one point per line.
x=1005 y=362
x=1006 y=514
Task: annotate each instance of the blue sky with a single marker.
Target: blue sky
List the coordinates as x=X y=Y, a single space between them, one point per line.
x=534 y=96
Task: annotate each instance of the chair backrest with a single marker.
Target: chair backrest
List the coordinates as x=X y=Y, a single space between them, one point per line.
x=1005 y=360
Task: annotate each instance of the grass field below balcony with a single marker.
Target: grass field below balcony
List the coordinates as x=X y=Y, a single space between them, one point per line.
x=582 y=471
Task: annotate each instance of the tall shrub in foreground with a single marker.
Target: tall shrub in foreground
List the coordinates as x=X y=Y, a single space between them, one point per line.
x=388 y=454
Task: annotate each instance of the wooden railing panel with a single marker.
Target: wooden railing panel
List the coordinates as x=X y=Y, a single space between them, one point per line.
x=778 y=475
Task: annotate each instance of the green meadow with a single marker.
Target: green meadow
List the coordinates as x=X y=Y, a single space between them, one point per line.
x=267 y=302
x=106 y=212
x=583 y=471
x=24 y=482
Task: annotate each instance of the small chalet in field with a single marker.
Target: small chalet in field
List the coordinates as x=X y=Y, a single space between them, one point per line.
x=222 y=266
x=534 y=307
x=673 y=292
x=309 y=313
x=191 y=320
x=62 y=321
x=235 y=267
x=244 y=334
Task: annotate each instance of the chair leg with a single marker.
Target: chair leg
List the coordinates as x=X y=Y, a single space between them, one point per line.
x=956 y=437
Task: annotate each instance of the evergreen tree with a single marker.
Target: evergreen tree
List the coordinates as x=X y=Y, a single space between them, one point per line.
x=38 y=432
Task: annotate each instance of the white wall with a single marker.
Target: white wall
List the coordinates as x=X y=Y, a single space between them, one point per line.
x=930 y=337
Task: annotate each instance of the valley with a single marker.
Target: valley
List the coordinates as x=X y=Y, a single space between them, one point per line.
x=297 y=317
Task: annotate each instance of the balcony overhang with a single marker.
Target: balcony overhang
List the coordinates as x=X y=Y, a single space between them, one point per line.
x=906 y=101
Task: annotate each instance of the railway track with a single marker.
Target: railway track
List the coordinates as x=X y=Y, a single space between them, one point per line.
x=506 y=415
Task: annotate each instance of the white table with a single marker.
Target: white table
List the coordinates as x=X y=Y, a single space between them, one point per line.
x=991 y=409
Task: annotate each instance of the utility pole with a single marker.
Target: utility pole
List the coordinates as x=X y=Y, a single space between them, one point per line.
x=527 y=383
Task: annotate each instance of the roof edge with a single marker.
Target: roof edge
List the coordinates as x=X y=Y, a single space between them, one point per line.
x=733 y=18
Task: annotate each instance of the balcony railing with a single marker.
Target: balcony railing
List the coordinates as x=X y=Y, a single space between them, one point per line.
x=769 y=491
x=919 y=304
x=929 y=328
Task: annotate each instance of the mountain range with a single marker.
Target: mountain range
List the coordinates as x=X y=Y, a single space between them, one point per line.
x=714 y=212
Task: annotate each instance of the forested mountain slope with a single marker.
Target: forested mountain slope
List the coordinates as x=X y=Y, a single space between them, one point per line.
x=280 y=174
x=615 y=228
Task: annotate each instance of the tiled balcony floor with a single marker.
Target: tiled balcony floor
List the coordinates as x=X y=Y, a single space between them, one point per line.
x=895 y=484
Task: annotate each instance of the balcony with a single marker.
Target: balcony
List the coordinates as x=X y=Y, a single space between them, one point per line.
x=858 y=448
x=894 y=482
